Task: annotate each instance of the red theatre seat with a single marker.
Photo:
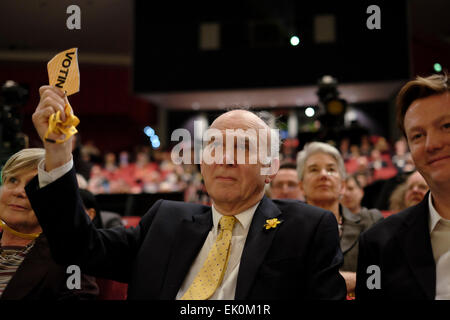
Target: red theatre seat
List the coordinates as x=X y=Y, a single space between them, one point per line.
x=110 y=289
x=131 y=221
x=384 y=173
x=387 y=213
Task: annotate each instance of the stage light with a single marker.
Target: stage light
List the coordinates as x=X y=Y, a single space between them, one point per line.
x=156 y=144
x=309 y=112
x=336 y=106
x=332 y=107
x=437 y=67
x=149 y=131
x=295 y=41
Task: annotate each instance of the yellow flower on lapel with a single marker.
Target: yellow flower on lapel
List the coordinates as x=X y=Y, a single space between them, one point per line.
x=272 y=223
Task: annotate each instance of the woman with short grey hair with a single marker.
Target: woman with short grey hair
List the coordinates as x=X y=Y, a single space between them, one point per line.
x=319 y=147
x=322 y=175
x=321 y=172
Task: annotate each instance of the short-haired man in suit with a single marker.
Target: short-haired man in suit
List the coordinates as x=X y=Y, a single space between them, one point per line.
x=264 y=248
x=407 y=256
x=286 y=185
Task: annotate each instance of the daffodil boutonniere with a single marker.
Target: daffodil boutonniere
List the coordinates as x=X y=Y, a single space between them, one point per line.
x=272 y=223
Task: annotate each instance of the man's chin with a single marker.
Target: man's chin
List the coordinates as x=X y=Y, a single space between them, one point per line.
x=223 y=198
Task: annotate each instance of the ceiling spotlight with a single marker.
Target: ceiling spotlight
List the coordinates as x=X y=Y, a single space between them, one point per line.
x=437 y=67
x=309 y=112
x=295 y=41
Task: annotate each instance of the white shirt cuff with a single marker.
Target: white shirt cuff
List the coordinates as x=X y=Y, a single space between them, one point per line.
x=46 y=178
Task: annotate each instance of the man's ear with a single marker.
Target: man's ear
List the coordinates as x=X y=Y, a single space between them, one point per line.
x=201 y=168
x=274 y=167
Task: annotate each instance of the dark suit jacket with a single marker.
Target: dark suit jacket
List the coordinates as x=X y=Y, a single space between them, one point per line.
x=300 y=258
x=400 y=245
x=40 y=278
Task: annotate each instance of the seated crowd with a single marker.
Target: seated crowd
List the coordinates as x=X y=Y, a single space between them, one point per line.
x=152 y=171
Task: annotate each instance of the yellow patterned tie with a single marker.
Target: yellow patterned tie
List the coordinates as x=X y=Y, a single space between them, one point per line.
x=210 y=275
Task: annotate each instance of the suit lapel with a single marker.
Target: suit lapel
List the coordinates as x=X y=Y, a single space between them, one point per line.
x=189 y=240
x=416 y=243
x=31 y=271
x=256 y=246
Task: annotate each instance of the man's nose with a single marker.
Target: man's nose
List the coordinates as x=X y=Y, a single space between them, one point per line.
x=229 y=158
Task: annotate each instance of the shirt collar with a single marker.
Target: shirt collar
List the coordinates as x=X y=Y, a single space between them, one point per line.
x=244 y=218
x=434 y=215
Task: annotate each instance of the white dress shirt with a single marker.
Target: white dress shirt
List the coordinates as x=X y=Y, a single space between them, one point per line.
x=46 y=178
x=227 y=288
x=440 y=242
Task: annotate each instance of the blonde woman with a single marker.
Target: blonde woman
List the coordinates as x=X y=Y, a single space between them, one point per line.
x=27 y=270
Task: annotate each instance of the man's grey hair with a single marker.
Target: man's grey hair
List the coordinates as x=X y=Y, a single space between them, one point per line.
x=319 y=147
x=270 y=121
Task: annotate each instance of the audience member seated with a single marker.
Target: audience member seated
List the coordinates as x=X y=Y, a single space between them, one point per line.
x=401 y=157
x=381 y=166
x=98 y=183
x=144 y=256
x=409 y=193
x=363 y=178
x=285 y=185
x=110 y=166
x=124 y=172
x=344 y=148
x=366 y=147
x=145 y=173
x=322 y=174
x=352 y=200
x=28 y=271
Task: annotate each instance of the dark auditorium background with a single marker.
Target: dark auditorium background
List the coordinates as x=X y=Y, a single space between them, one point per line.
x=143 y=63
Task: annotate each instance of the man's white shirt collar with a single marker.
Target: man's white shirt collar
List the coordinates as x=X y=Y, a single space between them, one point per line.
x=244 y=218
x=434 y=215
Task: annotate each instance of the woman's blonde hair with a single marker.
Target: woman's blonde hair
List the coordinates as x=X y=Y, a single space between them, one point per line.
x=397 y=198
x=24 y=159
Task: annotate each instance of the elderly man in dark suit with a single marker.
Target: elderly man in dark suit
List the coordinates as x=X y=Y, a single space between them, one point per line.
x=407 y=256
x=245 y=246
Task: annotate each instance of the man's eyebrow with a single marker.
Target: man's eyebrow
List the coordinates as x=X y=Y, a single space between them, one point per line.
x=435 y=122
x=442 y=118
x=414 y=128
